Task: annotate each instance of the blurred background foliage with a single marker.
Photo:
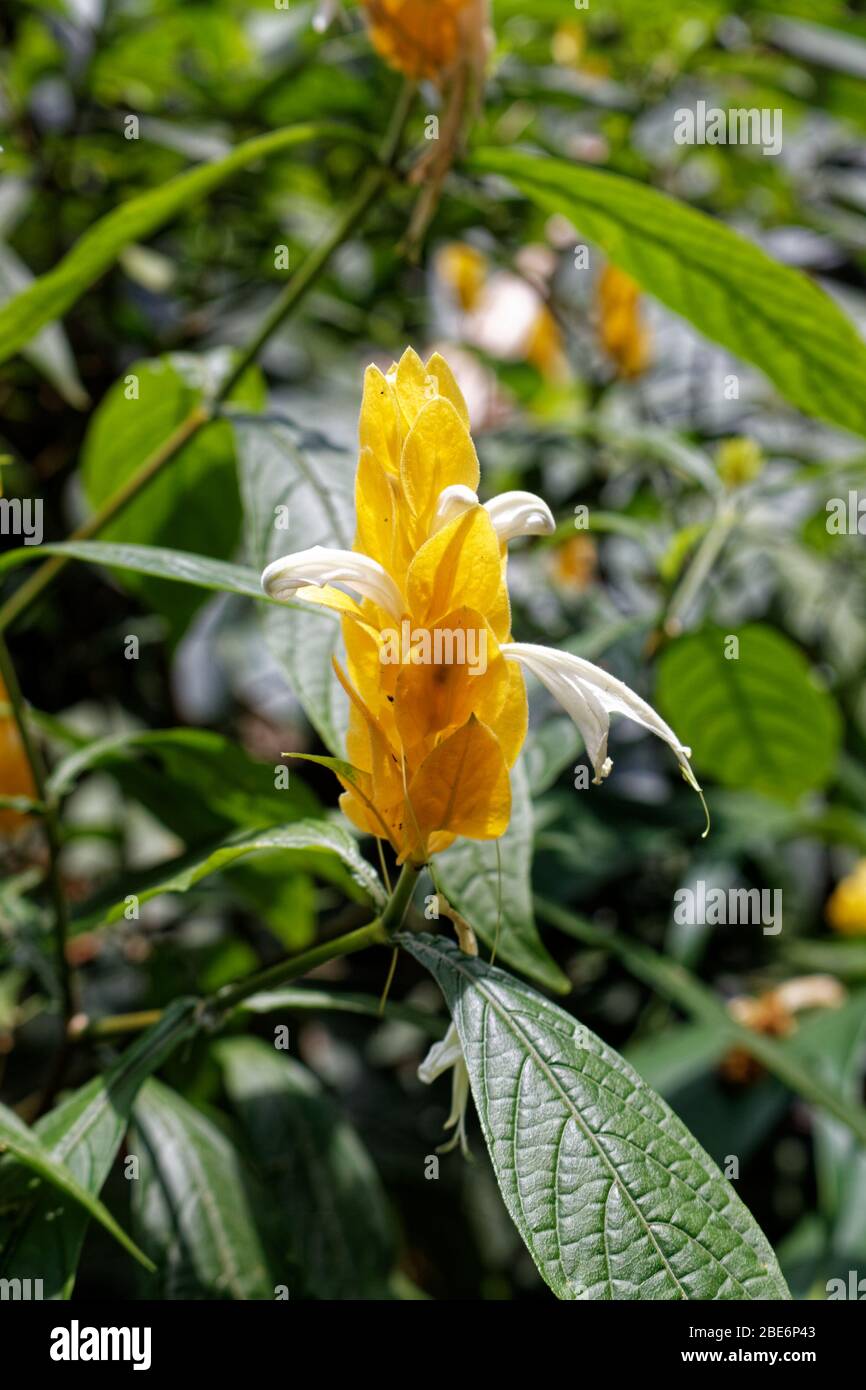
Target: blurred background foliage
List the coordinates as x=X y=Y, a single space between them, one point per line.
x=706 y=519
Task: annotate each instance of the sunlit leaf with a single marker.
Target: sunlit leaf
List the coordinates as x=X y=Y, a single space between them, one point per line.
x=754 y=715
x=762 y=311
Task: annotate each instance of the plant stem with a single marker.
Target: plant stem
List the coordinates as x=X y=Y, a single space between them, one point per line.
x=376 y=933
x=52 y=833
x=286 y=302
x=398 y=904
x=226 y=999
x=707 y=553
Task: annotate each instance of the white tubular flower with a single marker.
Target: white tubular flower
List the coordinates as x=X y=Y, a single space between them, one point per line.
x=453 y=501
x=519 y=514
x=512 y=513
x=590 y=695
x=442 y=1055
x=283 y=578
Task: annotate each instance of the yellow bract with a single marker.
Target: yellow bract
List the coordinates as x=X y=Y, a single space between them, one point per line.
x=431 y=738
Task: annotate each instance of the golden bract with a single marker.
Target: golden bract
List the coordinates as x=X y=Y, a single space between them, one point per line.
x=438 y=740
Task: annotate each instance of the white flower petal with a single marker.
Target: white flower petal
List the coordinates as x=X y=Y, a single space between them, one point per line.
x=453 y=501
x=441 y=1056
x=519 y=514
x=590 y=695
x=322 y=565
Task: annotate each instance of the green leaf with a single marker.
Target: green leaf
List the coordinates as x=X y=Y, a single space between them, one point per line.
x=49 y=352
x=734 y=293
x=551 y=746
x=38 y=1238
x=51 y=295
x=844 y=959
x=191 y=505
x=310 y=843
x=219 y=772
x=24 y=1144
x=758 y=721
x=303 y=999
x=791 y=1061
x=613 y=1196
x=489 y=884
x=317 y=486
x=175 y=565
x=191 y=1205
x=839 y=1051
x=328 y=1203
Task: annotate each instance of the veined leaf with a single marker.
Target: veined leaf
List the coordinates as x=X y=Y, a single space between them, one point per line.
x=49 y=297
x=757 y=720
x=489 y=883
x=318 y=490
x=24 y=1145
x=191 y=1205
x=38 y=1238
x=613 y=1196
x=329 y=1206
x=737 y=295
x=312 y=843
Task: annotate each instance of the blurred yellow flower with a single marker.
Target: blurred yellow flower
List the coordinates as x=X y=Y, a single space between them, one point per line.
x=16 y=779
x=464 y=270
x=622 y=334
x=446 y=42
x=846 y=907
x=438 y=709
x=574 y=563
x=425 y=38
x=503 y=314
x=739 y=460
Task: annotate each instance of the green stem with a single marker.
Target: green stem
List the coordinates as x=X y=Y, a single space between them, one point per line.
x=226 y=999
x=376 y=933
x=698 y=571
x=398 y=905
x=52 y=832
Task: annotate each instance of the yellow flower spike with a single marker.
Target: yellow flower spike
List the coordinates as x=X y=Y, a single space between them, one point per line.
x=438 y=709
